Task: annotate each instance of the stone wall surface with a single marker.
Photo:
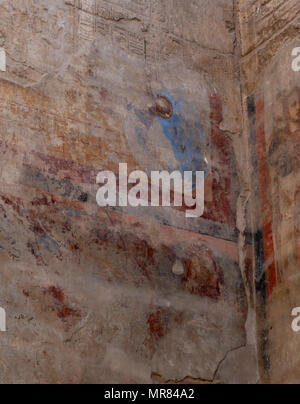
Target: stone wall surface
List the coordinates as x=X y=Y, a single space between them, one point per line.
x=269 y=34
x=91 y=294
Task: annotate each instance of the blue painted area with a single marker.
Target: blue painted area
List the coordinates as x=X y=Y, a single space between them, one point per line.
x=141 y=137
x=46 y=241
x=184 y=131
x=186 y=135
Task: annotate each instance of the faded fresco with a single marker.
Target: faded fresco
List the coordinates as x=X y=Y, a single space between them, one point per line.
x=147 y=295
x=284 y=157
x=277 y=149
x=117 y=294
x=282 y=141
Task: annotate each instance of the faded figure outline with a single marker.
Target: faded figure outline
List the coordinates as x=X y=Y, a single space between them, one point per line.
x=284 y=157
